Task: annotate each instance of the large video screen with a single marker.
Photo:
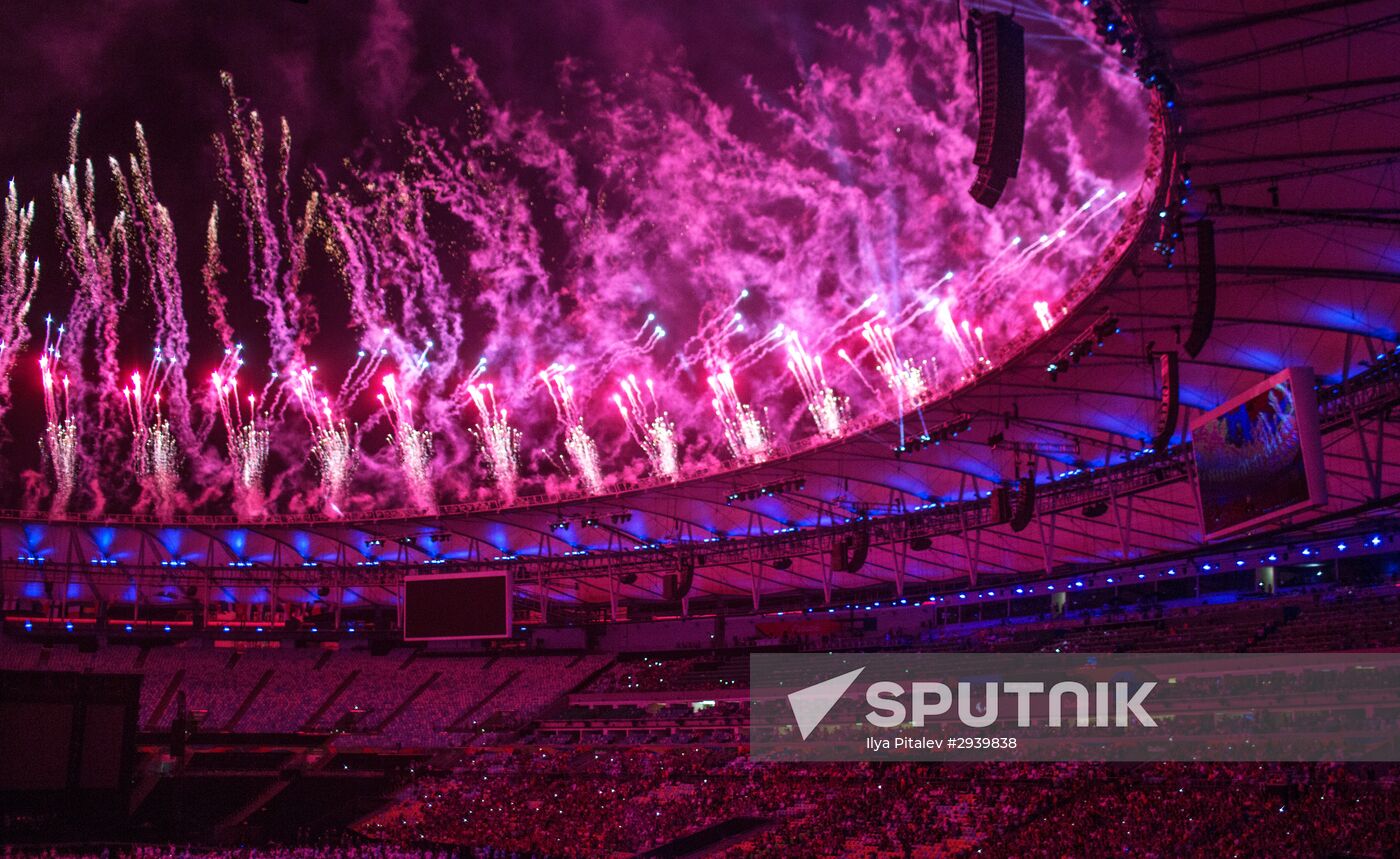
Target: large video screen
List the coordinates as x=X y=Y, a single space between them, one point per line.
x=1259 y=456
x=460 y=606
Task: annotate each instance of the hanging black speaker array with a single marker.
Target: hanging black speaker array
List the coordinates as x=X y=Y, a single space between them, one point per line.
x=848 y=553
x=1169 y=408
x=1023 y=504
x=1000 y=45
x=674 y=586
x=1001 y=505
x=1203 y=318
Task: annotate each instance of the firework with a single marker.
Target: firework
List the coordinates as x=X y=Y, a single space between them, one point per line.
x=756 y=248
x=905 y=378
x=650 y=427
x=276 y=244
x=18 y=279
x=249 y=444
x=151 y=239
x=97 y=262
x=828 y=409
x=500 y=442
x=333 y=443
x=583 y=451
x=744 y=430
x=414 y=445
x=60 y=441
x=155 y=453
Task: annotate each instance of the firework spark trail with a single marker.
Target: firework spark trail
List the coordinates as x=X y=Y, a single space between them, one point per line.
x=906 y=379
x=404 y=308
x=152 y=237
x=499 y=441
x=582 y=450
x=925 y=301
x=414 y=445
x=276 y=243
x=855 y=368
x=60 y=443
x=953 y=336
x=827 y=408
x=249 y=442
x=387 y=259
x=1075 y=224
x=334 y=448
x=650 y=427
x=1042 y=313
x=210 y=273
x=715 y=327
x=98 y=264
x=367 y=364
x=506 y=254
x=744 y=431
x=647 y=338
x=155 y=451
x=18 y=279
x=1073 y=231
x=760 y=348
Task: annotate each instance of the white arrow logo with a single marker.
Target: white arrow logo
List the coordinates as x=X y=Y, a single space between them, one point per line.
x=810 y=705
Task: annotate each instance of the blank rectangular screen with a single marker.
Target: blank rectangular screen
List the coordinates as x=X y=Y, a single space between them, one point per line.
x=36 y=740
x=468 y=605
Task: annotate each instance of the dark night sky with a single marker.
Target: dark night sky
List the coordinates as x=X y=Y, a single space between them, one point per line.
x=343 y=73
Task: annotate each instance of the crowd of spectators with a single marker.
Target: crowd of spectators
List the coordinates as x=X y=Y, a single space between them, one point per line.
x=337 y=850
x=610 y=801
